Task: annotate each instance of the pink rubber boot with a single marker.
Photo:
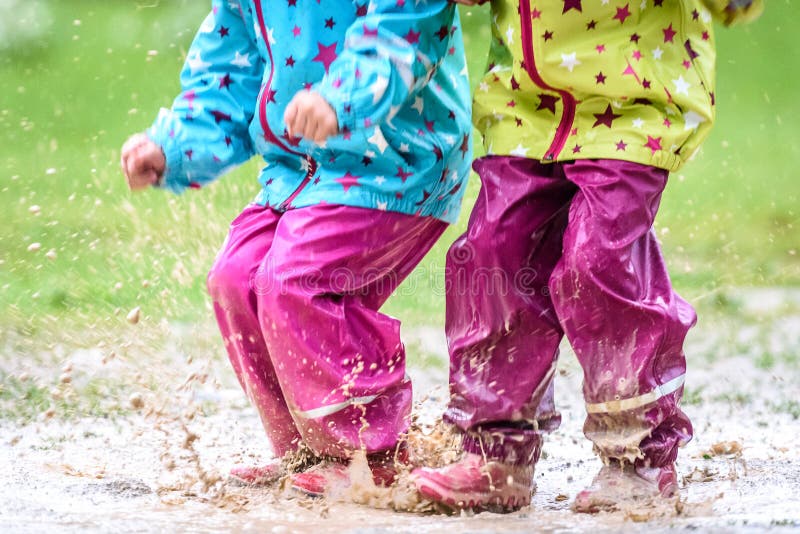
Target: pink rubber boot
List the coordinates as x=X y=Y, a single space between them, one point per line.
x=616 y=485
x=263 y=475
x=475 y=483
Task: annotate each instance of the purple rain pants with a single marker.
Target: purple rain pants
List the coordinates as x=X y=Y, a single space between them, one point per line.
x=296 y=295
x=566 y=248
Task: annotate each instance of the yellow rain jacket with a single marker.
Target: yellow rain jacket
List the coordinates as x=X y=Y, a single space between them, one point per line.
x=614 y=79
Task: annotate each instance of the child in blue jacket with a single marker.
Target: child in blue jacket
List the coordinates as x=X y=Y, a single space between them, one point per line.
x=361 y=113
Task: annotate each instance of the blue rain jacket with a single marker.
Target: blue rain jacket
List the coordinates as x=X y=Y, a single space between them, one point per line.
x=393 y=70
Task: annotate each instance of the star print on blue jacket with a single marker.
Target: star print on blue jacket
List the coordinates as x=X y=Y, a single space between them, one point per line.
x=393 y=70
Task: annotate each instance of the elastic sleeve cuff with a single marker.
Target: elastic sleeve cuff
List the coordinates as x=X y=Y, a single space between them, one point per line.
x=173 y=178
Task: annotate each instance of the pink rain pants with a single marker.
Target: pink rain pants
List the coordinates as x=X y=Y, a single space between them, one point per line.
x=296 y=295
x=555 y=249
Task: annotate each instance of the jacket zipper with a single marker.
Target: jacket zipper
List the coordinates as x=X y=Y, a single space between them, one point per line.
x=567 y=100
x=312 y=168
x=269 y=135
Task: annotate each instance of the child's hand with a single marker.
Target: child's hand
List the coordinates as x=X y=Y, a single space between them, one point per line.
x=310 y=116
x=142 y=161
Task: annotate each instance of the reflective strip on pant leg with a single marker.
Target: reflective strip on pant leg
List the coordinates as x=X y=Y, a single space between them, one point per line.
x=323 y=411
x=622 y=405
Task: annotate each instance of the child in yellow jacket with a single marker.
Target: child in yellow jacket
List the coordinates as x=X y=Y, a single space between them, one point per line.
x=585 y=108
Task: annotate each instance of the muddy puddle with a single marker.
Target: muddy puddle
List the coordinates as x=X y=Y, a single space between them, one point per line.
x=159 y=463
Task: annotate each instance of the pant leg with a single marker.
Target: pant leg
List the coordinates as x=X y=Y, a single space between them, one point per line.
x=340 y=362
x=235 y=306
x=502 y=331
x=613 y=296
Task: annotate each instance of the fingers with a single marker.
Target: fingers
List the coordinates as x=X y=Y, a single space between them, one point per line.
x=289 y=116
x=310 y=116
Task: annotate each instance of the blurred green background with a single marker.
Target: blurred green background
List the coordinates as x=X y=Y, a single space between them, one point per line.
x=78 y=251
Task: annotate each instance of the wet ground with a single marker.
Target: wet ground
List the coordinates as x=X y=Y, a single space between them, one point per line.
x=157 y=462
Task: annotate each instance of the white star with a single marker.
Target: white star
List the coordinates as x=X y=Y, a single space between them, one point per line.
x=378 y=140
x=270 y=37
x=464 y=72
x=520 y=151
x=681 y=86
x=196 y=63
x=382 y=205
x=638 y=123
x=510 y=35
x=418 y=104
x=604 y=2
x=379 y=180
x=643 y=5
x=705 y=15
x=692 y=120
x=208 y=25
x=449 y=139
x=569 y=61
x=392 y=112
x=257 y=29
x=657 y=53
x=241 y=60
x=484 y=87
x=379 y=88
x=404 y=147
x=454 y=176
x=369 y=153
x=233 y=5
x=304 y=165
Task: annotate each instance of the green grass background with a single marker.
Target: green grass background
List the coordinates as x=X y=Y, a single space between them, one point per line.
x=101 y=69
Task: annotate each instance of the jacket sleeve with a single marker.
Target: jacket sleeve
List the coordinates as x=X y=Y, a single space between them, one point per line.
x=735 y=11
x=205 y=132
x=389 y=55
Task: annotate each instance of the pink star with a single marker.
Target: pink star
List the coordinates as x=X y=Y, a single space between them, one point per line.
x=535 y=14
x=412 y=37
x=403 y=175
x=296 y=30
x=621 y=145
x=637 y=55
x=600 y=48
x=572 y=4
x=348 y=181
x=622 y=14
x=326 y=55
x=219 y=116
x=547 y=102
x=605 y=118
x=369 y=32
x=653 y=143
x=225 y=81
x=669 y=34
x=189 y=96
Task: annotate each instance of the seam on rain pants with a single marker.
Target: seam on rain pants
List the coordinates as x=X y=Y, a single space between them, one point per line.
x=296 y=295
x=566 y=248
